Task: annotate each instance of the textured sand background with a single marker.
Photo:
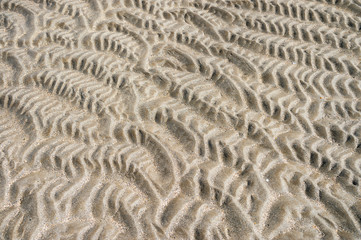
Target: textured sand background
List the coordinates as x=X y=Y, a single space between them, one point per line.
x=146 y=119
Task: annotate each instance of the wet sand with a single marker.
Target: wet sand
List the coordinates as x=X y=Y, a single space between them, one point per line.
x=192 y=119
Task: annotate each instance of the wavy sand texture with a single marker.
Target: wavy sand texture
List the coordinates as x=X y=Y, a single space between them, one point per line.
x=187 y=119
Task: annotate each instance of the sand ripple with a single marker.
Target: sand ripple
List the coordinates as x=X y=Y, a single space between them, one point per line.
x=192 y=119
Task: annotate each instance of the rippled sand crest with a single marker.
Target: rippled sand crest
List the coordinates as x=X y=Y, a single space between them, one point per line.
x=188 y=119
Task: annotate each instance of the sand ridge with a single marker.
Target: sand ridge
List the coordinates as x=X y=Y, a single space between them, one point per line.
x=187 y=119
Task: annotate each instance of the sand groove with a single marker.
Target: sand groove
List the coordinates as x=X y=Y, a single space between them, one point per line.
x=198 y=119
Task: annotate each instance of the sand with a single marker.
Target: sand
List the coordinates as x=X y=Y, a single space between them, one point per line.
x=187 y=119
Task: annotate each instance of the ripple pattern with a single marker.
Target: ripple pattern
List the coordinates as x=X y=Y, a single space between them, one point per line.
x=184 y=119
